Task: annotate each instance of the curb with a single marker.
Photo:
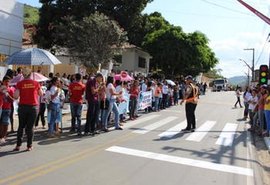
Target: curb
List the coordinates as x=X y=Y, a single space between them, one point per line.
x=267 y=143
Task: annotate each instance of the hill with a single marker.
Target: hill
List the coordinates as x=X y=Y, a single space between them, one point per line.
x=31 y=15
x=238 y=80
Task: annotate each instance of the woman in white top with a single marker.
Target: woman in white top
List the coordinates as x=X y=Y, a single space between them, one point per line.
x=55 y=104
x=252 y=103
x=111 y=96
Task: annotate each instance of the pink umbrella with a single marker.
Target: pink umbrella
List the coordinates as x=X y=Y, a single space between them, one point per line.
x=34 y=76
x=123 y=76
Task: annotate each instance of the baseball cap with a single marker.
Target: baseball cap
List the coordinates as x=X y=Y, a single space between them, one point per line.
x=189 y=77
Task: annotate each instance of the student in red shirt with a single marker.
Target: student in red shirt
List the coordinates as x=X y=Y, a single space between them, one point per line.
x=28 y=90
x=6 y=108
x=134 y=93
x=76 y=91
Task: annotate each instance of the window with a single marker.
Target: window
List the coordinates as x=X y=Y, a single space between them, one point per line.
x=118 y=59
x=142 y=62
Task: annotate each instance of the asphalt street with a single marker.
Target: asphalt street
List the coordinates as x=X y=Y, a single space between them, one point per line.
x=150 y=150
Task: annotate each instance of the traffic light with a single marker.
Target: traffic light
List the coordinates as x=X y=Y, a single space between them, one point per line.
x=263 y=76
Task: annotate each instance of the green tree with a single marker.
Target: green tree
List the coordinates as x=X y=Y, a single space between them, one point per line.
x=176 y=52
x=54 y=12
x=91 y=40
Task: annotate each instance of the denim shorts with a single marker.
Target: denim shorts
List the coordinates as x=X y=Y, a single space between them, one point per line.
x=5 y=117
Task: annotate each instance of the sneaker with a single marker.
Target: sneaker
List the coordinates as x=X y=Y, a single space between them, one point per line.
x=79 y=134
x=119 y=128
x=2 y=141
x=105 y=130
x=186 y=130
x=17 y=148
x=30 y=148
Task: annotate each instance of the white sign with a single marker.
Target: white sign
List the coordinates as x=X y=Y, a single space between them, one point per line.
x=145 y=100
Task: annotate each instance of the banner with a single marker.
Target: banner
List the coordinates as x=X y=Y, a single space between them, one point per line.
x=145 y=100
x=123 y=107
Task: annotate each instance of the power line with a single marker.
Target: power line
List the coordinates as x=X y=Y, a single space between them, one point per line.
x=224 y=7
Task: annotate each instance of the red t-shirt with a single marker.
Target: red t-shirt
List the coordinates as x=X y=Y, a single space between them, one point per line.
x=28 y=92
x=1 y=99
x=77 y=90
x=8 y=101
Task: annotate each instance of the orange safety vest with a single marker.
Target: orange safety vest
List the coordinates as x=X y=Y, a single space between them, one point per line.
x=194 y=97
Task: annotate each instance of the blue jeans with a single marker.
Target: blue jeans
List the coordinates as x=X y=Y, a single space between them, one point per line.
x=112 y=107
x=53 y=116
x=156 y=103
x=267 y=117
x=76 y=115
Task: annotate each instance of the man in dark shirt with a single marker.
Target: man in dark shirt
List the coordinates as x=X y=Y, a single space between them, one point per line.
x=92 y=88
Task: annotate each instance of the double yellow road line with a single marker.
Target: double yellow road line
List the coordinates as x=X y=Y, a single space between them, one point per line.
x=33 y=173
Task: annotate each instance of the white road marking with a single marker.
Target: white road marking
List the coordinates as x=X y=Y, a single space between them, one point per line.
x=174 y=130
x=138 y=121
x=201 y=132
x=182 y=161
x=153 y=126
x=174 y=111
x=227 y=135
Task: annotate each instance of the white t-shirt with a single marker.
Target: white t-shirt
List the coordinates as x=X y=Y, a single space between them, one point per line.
x=59 y=97
x=246 y=96
x=144 y=87
x=165 y=89
x=108 y=94
x=252 y=102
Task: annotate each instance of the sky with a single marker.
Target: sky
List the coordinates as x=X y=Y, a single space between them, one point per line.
x=230 y=27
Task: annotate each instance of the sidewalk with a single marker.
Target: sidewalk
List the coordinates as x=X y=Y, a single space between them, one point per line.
x=267 y=143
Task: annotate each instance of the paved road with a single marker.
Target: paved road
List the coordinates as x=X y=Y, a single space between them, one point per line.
x=150 y=150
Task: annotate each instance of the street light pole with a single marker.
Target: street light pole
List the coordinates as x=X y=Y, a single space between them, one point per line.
x=249 y=68
x=253 y=58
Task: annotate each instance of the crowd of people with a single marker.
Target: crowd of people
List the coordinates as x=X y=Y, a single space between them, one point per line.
x=102 y=96
x=256 y=108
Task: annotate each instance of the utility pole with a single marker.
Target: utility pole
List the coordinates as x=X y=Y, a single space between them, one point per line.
x=249 y=68
x=252 y=68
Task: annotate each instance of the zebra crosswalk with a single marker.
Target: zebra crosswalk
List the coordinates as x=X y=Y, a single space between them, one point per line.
x=173 y=127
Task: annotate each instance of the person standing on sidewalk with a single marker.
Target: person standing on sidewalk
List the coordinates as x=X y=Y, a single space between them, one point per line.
x=28 y=90
x=76 y=91
x=238 y=95
x=7 y=99
x=191 y=99
x=92 y=115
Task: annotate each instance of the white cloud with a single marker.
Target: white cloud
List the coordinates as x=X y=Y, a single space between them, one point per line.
x=229 y=51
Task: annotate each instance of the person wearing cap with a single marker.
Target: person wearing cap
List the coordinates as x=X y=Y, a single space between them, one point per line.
x=28 y=90
x=92 y=115
x=191 y=99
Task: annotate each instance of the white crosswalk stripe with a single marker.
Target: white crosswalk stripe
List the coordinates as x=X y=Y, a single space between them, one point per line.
x=141 y=120
x=201 y=132
x=227 y=135
x=156 y=125
x=174 y=130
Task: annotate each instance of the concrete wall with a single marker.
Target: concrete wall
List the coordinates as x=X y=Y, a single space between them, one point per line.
x=130 y=61
x=11 y=26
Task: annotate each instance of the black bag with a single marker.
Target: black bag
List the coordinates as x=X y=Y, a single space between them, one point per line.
x=104 y=104
x=50 y=105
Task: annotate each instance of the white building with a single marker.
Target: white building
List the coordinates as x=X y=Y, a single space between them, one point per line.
x=11 y=29
x=135 y=60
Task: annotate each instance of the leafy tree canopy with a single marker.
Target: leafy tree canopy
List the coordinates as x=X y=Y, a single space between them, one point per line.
x=52 y=13
x=91 y=39
x=176 y=52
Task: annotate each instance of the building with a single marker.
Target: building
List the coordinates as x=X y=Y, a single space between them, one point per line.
x=134 y=60
x=11 y=30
